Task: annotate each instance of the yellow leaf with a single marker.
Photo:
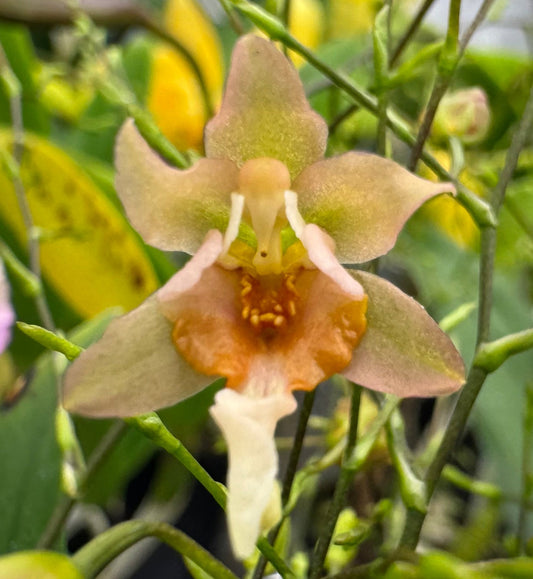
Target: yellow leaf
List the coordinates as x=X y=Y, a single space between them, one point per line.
x=88 y=252
x=38 y=565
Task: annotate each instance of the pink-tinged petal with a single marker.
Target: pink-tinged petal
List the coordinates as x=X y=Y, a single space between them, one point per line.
x=264 y=112
x=319 y=248
x=403 y=351
x=170 y=208
x=133 y=369
x=248 y=426
x=362 y=201
x=7 y=315
x=190 y=274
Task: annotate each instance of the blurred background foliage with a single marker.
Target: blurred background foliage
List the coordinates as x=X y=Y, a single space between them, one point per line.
x=78 y=82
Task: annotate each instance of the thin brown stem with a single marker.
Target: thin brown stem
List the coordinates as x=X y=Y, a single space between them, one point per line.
x=411 y=31
x=474 y=25
x=339 y=497
x=447 y=63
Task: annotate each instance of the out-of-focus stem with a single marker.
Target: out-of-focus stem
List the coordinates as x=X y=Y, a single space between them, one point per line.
x=446 y=68
x=14 y=90
x=477 y=375
x=411 y=31
x=339 y=496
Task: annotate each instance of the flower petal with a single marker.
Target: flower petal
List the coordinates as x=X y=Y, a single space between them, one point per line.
x=170 y=208
x=403 y=351
x=264 y=112
x=190 y=274
x=322 y=324
x=248 y=426
x=320 y=253
x=133 y=369
x=320 y=339
x=362 y=201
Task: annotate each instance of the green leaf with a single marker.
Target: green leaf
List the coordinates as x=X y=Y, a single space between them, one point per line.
x=29 y=453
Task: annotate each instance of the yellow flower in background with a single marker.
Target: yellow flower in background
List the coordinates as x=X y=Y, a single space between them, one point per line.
x=306 y=23
x=451 y=217
x=464 y=114
x=186 y=21
x=174 y=93
x=175 y=99
x=348 y=17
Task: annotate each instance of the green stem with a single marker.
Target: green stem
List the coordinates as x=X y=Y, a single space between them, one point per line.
x=286 y=14
x=415 y=518
x=98 y=553
x=463 y=481
x=355 y=457
x=412 y=488
x=381 y=43
x=151 y=426
x=511 y=160
x=114 y=86
x=477 y=375
x=341 y=117
x=451 y=54
x=290 y=473
x=269 y=553
x=491 y=355
x=29 y=282
x=154 y=137
x=63 y=508
x=446 y=68
x=486 y=270
x=50 y=340
x=14 y=90
x=341 y=489
x=411 y=31
x=299 y=436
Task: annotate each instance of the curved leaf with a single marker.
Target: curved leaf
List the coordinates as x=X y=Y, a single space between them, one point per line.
x=88 y=252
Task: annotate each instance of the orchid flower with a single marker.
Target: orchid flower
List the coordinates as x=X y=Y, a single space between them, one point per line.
x=7 y=315
x=264 y=302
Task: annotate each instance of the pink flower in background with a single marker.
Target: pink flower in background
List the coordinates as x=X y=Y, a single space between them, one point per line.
x=7 y=315
x=264 y=302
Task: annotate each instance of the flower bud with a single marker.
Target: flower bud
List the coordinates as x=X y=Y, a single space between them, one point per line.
x=464 y=114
